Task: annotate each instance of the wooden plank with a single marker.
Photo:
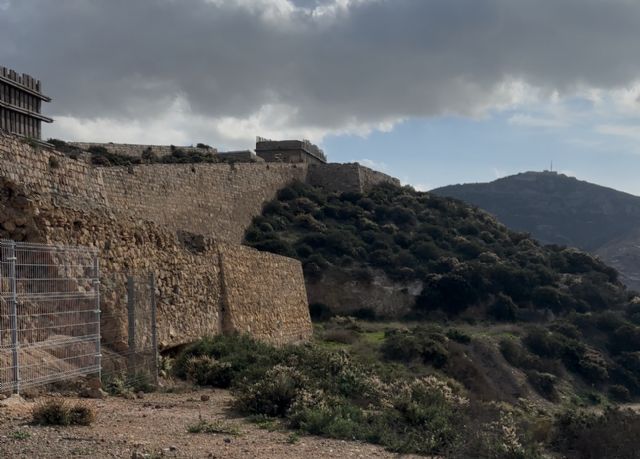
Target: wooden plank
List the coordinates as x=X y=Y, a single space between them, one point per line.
x=12 y=82
x=23 y=111
x=20 y=104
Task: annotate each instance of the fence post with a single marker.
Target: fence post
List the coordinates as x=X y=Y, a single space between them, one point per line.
x=96 y=286
x=14 y=316
x=154 y=329
x=132 y=322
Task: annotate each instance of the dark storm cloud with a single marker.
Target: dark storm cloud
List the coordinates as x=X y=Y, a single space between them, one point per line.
x=375 y=61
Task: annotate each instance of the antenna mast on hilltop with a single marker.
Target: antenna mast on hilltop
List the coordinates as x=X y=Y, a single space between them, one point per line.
x=551 y=170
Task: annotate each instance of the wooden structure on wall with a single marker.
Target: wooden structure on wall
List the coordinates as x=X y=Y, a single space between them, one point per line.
x=20 y=102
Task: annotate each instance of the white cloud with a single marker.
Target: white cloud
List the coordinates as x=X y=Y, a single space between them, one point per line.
x=536 y=122
x=318 y=67
x=620 y=130
x=178 y=124
x=376 y=165
x=498 y=173
x=422 y=187
x=272 y=11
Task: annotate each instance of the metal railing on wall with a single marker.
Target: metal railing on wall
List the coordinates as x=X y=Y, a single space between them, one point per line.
x=49 y=314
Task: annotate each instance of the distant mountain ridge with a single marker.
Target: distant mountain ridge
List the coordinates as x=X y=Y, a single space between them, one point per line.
x=558 y=209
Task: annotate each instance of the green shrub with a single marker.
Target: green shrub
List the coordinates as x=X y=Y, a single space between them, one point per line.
x=619 y=393
x=247 y=356
x=273 y=395
x=340 y=336
x=149 y=156
x=417 y=344
x=207 y=371
x=519 y=357
x=450 y=293
x=543 y=383
x=458 y=335
x=320 y=414
x=589 y=435
x=287 y=194
x=625 y=339
x=412 y=236
x=19 y=435
x=320 y=312
x=543 y=343
x=365 y=314
x=551 y=298
x=503 y=308
x=58 y=412
x=332 y=394
x=275 y=246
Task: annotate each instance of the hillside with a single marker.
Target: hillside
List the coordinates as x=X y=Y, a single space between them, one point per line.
x=463 y=266
x=624 y=255
x=441 y=247
x=554 y=208
x=559 y=209
x=502 y=318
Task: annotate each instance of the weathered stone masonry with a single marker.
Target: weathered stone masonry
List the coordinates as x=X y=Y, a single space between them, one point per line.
x=210 y=199
x=136 y=150
x=137 y=217
x=346 y=177
x=50 y=198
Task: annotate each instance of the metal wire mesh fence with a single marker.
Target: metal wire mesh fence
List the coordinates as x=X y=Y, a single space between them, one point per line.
x=52 y=328
x=130 y=359
x=49 y=314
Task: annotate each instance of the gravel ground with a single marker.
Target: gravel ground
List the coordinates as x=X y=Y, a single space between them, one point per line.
x=156 y=426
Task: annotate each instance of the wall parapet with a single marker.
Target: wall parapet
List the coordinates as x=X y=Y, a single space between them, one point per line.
x=136 y=150
x=217 y=200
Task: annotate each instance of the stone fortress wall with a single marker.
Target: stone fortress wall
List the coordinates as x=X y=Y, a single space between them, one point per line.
x=346 y=177
x=136 y=150
x=183 y=222
x=47 y=197
x=210 y=199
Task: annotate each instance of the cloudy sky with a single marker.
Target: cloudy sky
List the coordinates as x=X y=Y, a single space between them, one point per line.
x=432 y=91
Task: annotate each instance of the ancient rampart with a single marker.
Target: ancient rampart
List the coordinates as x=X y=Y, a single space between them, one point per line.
x=47 y=197
x=217 y=200
x=346 y=177
x=184 y=222
x=136 y=150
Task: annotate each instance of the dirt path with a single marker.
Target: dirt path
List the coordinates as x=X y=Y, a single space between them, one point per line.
x=156 y=426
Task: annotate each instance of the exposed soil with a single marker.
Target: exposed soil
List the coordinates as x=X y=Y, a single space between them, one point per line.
x=156 y=426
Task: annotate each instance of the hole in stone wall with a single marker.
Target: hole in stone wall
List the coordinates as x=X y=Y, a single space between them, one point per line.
x=192 y=242
x=77 y=225
x=54 y=163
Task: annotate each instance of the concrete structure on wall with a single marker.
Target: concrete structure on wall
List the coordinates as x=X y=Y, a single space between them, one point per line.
x=289 y=151
x=20 y=104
